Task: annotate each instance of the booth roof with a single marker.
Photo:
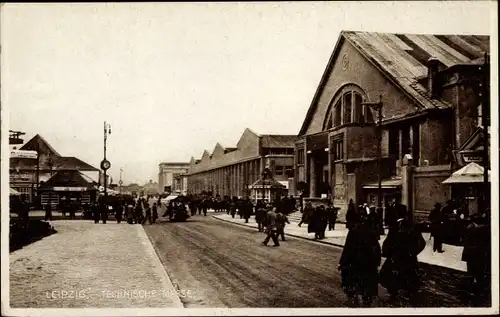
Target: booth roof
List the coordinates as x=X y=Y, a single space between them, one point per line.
x=471 y=173
x=68 y=179
x=268 y=182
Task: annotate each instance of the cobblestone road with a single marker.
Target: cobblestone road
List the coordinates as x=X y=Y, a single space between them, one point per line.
x=224 y=265
x=90 y=265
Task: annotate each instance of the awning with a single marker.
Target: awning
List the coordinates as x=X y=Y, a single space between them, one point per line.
x=13 y=192
x=169 y=198
x=392 y=183
x=284 y=183
x=471 y=173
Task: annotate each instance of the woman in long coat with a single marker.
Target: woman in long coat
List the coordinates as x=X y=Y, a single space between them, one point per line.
x=400 y=270
x=352 y=216
x=359 y=264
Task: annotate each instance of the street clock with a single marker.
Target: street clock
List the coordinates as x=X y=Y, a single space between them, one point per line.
x=105 y=165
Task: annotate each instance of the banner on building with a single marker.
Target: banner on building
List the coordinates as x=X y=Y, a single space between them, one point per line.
x=23 y=154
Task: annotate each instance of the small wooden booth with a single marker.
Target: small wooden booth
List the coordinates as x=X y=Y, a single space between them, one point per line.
x=267 y=189
x=468 y=184
x=65 y=187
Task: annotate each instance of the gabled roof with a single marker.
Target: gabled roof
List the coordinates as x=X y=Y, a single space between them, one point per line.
x=475 y=141
x=471 y=173
x=58 y=163
x=402 y=58
x=39 y=143
x=69 y=179
x=278 y=141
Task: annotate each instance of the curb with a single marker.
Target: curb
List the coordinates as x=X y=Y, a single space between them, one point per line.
x=288 y=234
x=159 y=268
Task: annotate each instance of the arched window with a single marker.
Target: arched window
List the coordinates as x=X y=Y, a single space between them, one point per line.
x=338 y=113
x=346 y=107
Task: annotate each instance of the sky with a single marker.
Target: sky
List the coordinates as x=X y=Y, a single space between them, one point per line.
x=173 y=79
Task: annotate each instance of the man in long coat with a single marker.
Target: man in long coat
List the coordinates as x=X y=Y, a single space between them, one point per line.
x=359 y=264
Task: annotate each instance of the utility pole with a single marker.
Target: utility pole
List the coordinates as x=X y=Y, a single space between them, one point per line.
x=51 y=164
x=105 y=164
x=378 y=106
x=121 y=182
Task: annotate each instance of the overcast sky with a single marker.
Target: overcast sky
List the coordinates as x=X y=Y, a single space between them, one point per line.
x=174 y=79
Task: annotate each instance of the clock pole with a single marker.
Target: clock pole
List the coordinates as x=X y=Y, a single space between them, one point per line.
x=105 y=164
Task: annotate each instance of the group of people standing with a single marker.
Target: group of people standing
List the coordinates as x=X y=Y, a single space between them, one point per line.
x=133 y=211
x=362 y=255
x=319 y=219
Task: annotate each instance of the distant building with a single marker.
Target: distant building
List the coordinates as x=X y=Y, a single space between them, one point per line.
x=230 y=171
x=430 y=89
x=27 y=174
x=169 y=177
x=150 y=188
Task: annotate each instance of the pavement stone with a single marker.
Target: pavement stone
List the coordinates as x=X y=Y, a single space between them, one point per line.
x=87 y=265
x=451 y=258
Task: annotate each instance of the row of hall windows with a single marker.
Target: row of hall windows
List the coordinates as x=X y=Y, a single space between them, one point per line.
x=349 y=109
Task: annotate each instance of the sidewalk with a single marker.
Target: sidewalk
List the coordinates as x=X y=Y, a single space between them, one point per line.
x=87 y=265
x=451 y=258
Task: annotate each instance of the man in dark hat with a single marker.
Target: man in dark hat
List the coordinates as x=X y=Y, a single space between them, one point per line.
x=437 y=220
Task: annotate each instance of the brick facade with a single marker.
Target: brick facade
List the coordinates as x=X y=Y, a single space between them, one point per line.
x=424 y=118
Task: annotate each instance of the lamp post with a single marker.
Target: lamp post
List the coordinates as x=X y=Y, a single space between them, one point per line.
x=105 y=164
x=121 y=182
x=378 y=107
x=51 y=165
x=265 y=173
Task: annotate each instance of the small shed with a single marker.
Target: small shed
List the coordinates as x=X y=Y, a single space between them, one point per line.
x=268 y=189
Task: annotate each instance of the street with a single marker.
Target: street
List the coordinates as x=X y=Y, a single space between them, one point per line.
x=218 y=264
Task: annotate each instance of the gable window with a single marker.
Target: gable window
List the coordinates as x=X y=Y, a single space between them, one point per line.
x=338 y=113
x=358 y=108
x=347 y=107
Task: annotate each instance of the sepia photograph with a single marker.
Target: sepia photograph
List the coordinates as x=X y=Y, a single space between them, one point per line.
x=249 y=158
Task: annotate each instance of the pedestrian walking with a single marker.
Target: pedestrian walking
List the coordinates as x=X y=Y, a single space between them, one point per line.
x=130 y=213
x=104 y=212
x=314 y=222
x=391 y=215
x=147 y=216
x=260 y=215
x=233 y=208
x=96 y=212
x=352 y=216
x=400 y=270
x=323 y=221
x=138 y=212
x=437 y=220
x=477 y=255
x=359 y=264
x=271 y=228
x=306 y=214
x=155 y=212
x=119 y=212
x=331 y=213
x=48 y=212
x=281 y=221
